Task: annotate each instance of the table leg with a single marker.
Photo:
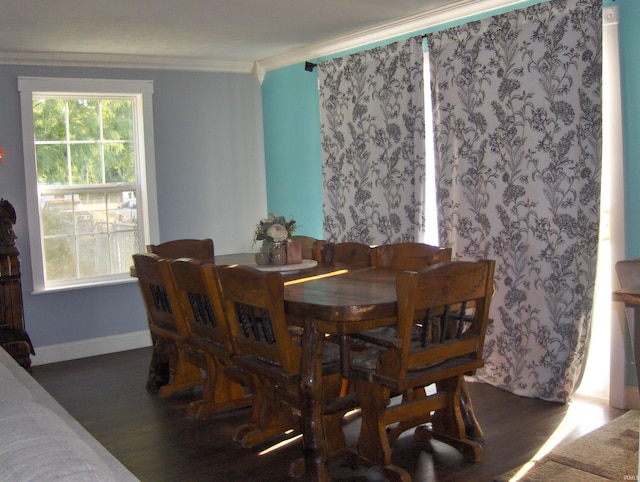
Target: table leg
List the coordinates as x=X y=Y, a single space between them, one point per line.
x=472 y=427
x=311 y=411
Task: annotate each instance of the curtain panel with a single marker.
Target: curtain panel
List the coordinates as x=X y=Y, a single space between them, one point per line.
x=372 y=131
x=517 y=116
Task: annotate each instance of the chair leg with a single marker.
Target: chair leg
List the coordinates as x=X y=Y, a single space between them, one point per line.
x=186 y=376
x=373 y=445
x=160 y=367
x=393 y=433
x=219 y=392
x=471 y=424
x=269 y=417
x=448 y=424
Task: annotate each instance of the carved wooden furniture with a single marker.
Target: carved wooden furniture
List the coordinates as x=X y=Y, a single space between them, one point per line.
x=209 y=343
x=13 y=337
x=410 y=256
x=164 y=351
x=337 y=300
x=168 y=332
x=201 y=249
x=311 y=247
x=351 y=253
x=442 y=321
x=268 y=348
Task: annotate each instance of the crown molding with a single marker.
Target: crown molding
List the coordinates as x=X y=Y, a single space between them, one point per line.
x=68 y=59
x=258 y=68
x=413 y=24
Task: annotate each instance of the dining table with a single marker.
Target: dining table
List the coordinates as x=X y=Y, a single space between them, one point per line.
x=334 y=300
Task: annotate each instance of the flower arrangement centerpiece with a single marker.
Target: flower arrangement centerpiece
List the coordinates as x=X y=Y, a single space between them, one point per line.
x=273 y=229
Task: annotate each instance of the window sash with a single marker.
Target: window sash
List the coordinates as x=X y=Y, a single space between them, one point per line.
x=143 y=189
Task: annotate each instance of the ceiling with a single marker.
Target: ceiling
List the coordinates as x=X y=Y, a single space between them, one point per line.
x=215 y=34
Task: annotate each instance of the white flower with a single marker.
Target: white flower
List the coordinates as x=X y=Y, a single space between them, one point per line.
x=278 y=233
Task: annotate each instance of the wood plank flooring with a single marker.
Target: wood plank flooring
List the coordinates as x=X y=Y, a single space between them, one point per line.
x=158 y=442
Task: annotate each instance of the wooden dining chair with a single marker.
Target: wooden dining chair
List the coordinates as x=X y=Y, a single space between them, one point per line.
x=411 y=256
x=442 y=321
x=209 y=344
x=269 y=349
x=311 y=247
x=350 y=253
x=167 y=331
x=201 y=249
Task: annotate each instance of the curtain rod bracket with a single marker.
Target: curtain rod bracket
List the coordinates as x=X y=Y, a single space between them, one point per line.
x=309 y=66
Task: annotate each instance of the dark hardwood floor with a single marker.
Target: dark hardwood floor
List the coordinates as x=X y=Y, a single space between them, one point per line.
x=157 y=441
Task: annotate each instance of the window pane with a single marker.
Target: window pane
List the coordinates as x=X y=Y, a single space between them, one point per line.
x=84 y=121
x=51 y=164
x=88 y=262
x=119 y=162
x=86 y=164
x=49 y=122
x=124 y=244
x=95 y=203
x=58 y=215
x=123 y=210
x=117 y=120
x=60 y=258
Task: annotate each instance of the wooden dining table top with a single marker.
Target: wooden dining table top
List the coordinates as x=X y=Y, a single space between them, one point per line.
x=344 y=299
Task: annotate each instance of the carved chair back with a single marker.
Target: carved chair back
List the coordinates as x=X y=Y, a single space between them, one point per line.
x=198 y=293
x=200 y=249
x=254 y=307
x=351 y=253
x=409 y=256
x=311 y=247
x=159 y=298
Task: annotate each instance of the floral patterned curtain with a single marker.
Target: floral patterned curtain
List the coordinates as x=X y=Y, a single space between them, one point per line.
x=372 y=128
x=517 y=114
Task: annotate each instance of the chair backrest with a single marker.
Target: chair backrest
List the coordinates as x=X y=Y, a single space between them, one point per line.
x=254 y=309
x=443 y=313
x=158 y=294
x=410 y=256
x=311 y=247
x=348 y=252
x=198 y=293
x=628 y=271
x=201 y=249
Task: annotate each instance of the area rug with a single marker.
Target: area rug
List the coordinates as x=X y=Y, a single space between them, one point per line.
x=608 y=453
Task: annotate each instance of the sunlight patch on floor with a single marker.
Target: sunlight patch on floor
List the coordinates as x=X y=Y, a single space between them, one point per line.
x=282 y=444
x=579 y=411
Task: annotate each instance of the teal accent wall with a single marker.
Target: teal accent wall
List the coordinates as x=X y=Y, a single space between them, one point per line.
x=629 y=37
x=291 y=116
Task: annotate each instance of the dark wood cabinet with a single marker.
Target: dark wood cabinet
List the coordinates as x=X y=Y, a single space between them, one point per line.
x=13 y=336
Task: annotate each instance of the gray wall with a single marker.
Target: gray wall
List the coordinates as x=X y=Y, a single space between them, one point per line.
x=210 y=180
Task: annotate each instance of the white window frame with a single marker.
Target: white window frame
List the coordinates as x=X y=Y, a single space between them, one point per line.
x=146 y=174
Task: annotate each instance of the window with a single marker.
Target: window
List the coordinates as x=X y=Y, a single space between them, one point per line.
x=88 y=146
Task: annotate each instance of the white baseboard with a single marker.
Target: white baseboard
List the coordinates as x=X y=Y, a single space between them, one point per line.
x=91 y=347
